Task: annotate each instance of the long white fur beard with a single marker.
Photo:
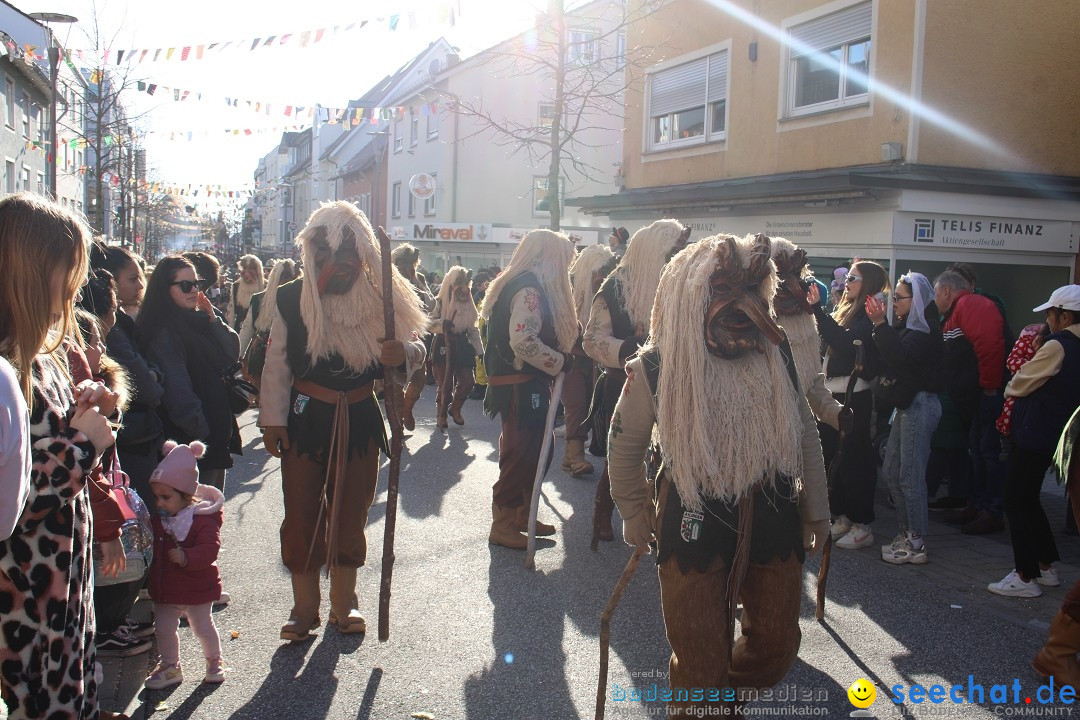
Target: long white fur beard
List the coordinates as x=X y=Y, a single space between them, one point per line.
x=805 y=341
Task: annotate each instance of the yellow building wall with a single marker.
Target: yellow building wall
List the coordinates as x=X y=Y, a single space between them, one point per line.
x=1010 y=70
x=757 y=142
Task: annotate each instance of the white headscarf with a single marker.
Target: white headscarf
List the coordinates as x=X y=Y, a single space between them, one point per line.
x=922 y=294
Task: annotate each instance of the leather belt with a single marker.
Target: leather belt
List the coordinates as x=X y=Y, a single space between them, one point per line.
x=326 y=395
x=515 y=379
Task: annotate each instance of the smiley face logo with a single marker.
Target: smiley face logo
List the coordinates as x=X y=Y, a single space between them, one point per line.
x=862 y=693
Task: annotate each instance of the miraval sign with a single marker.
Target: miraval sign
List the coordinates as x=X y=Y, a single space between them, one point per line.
x=445 y=232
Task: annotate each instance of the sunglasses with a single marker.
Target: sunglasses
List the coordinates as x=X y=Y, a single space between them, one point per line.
x=852 y=279
x=901 y=297
x=187 y=286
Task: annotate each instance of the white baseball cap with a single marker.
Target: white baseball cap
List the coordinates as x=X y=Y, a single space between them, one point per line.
x=1066 y=298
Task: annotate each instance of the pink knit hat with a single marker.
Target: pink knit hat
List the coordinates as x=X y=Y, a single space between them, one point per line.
x=179 y=468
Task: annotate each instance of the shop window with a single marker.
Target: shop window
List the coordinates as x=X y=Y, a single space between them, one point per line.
x=829 y=61
x=688 y=103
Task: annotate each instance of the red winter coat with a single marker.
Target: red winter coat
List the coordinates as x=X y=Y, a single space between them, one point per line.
x=198 y=582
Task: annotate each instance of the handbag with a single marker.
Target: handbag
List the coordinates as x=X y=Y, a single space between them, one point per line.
x=240 y=391
x=255 y=355
x=136 y=532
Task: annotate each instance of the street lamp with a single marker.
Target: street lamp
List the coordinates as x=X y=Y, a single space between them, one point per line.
x=54 y=67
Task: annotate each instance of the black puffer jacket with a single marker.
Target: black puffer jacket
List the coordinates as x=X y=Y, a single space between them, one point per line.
x=840 y=341
x=911 y=360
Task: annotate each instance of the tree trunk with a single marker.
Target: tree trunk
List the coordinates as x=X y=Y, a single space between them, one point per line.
x=558 y=23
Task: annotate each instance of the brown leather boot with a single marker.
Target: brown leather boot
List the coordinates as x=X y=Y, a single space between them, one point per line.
x=411 y=395
x=503 y=530
x=1058 y=656
x=344 y=614
x=574 y=459
x=305 y=612
x=461 y=393
x=521 y=523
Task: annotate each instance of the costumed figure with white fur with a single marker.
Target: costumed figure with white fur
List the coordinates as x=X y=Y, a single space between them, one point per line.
x=618 y=325
x=184 y=579
x=741 y=492
x=531 y=329
x=587 y=273
x=456 y=335
x=250 y=282
x=318 y=411
x=796 y=316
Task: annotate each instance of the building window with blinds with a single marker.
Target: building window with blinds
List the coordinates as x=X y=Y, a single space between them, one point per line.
x=829 y=66
x=688 y=103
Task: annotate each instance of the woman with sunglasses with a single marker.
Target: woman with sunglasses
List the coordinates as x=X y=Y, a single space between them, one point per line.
x=912 y=350
x=179 y=332
x=852 y=484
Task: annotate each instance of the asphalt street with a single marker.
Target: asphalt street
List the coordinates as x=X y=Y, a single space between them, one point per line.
x=476 y=636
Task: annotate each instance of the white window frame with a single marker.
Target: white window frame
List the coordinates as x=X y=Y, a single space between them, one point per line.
x=620 y=48
x=414 y=129
x=26 y=115
x=10 y=175
x=399 y=129
x=544 y=120
x=41 y=183
x=25 y=178
x=715 y=60
x=412 y=204
x=430 y=207
x=433 y=121
x=582 y=44
x=395 y=199
x=842 y=42
x=39 y=113
x=540 y=184
x=9 y=119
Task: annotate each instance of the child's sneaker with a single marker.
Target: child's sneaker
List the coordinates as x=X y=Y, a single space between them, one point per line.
x=164 y=676
x=215 y=671
x=1049 y=577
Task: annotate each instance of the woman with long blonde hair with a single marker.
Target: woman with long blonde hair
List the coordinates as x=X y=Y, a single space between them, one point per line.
x=46 y=649
x=851 y=490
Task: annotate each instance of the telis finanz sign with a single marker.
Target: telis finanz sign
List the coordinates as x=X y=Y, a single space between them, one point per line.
x=977 y=232
x=444 y=232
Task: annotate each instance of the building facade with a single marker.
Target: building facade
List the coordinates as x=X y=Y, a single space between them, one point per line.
x=913 y=133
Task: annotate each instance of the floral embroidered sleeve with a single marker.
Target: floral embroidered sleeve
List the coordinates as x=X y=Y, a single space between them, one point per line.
x=598 y=342
x=58 y=473
x=525 y=323
x=628 y=441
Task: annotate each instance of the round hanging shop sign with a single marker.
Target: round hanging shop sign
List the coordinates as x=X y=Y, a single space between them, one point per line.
x=422 y=186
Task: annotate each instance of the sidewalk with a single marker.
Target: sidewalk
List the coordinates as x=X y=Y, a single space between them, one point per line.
x=960 y=565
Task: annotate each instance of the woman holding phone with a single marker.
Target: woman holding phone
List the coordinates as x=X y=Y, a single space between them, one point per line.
x=851 y=487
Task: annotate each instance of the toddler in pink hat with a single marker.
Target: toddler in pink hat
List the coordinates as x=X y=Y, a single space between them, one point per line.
x=184 y=576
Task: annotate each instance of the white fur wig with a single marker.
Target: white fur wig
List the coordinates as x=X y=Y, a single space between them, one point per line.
x=640 y=268
x=585 y=265
x=547 y=255
x=724 y=425
x=268 y=311
x=351 y=324
x=800 y=327
x=463 y=312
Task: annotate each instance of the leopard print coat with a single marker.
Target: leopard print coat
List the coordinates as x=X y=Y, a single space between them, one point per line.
x=46 y=592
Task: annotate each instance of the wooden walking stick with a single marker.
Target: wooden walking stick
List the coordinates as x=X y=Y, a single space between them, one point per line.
x=834 y=468
x=541 y=469
x=605 y=629
x=396 y=433
x=442 y=402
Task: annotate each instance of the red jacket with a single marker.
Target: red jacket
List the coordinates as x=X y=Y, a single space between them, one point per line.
x=198 y=582
x=974 y=348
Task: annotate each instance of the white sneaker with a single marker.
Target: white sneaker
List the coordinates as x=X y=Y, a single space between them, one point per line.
x=841 y=526
x=1012 y=586
x=1049 y=578
x=903 y=553
x=897 y=542
x=859 y=536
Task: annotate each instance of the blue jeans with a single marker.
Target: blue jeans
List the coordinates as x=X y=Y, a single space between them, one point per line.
x=904 y=468
x=989 y=471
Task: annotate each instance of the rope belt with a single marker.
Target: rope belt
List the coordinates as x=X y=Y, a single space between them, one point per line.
x=336 y=461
